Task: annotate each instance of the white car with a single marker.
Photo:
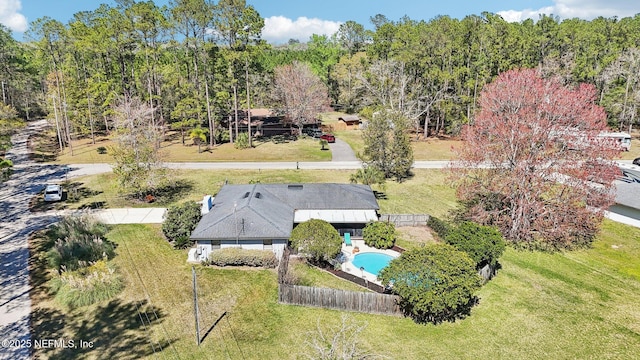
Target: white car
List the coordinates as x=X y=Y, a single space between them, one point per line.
x=53 y=193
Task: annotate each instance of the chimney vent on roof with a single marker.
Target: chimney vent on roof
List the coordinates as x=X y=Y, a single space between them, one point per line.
x=246 y=195
x=258 y=195
x=294 y=187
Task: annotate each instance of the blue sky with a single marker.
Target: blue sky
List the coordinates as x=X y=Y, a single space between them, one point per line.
x=285 y=19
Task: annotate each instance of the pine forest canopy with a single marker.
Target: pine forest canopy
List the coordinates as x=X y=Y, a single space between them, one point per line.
x=432 y=72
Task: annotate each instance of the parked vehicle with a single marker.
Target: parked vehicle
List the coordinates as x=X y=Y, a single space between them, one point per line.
x=329 y=137
x=313 y=132
x=53 y=193
x=622 y=139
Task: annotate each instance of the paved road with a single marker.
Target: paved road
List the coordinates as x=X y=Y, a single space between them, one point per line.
x=16 y=223
x=76 y=170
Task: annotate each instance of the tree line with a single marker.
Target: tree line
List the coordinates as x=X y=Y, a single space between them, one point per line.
x=195 y=63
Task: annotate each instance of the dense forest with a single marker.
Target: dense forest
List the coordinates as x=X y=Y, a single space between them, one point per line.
x=193 y=62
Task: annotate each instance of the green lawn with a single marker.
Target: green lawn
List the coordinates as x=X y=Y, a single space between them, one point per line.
x=574 y=305
x=45 y=149
x=406 y=197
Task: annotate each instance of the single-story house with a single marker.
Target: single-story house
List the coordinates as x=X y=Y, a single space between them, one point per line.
x=261 y=216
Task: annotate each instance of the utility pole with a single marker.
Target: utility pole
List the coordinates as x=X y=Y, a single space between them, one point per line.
x=195 y=305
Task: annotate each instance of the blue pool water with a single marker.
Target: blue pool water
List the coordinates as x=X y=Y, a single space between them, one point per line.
x=371 y=262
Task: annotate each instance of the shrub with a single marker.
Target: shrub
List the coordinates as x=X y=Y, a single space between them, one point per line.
x=179 y=222
x=441 y=227
x=222 y=135
x=242 y=257
x=101 y=150
x=76 y=226
x=380 y=235
x=6 y=169
x=242 y=141
x=317 y=239
x=78 y=242
x=74 y=253
x=484 y=244
x=436 y=282
x=86 y=286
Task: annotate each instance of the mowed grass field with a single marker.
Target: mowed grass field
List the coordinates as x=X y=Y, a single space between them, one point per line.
x=427 y=191
x=540 y=306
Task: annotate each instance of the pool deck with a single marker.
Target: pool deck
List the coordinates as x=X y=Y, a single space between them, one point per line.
x=348 y=266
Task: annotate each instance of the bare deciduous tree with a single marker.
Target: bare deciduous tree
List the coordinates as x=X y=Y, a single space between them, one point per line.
x=301 y=93
x=338 y=343
x=625 y=72
x=138 y=162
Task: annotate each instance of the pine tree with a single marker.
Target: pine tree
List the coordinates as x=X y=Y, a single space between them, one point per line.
x=387 y=144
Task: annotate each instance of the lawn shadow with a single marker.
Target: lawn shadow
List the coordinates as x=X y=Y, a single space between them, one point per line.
x=380 y=195
x=115 y=330
x=213 y=326
x=75 y=192
x=39 y=275
x=93 y=205
x=174 y=192
x=44 y=148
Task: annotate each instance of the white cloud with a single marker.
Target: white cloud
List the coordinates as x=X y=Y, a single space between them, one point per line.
x=583 y=9
x=10 y=15
x=279 y=29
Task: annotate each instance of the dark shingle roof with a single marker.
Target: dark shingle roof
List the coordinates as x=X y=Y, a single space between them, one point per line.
x=267 y=210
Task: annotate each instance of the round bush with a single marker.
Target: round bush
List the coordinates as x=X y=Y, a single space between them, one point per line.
x=380 y=235
x=436 y=282
x=317 y=239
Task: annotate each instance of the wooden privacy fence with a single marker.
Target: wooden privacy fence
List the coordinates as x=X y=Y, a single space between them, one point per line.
x=372 y=303
x=405 y=219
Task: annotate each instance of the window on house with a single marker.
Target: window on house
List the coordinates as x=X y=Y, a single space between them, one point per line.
x=215 y=244
x=268 y=244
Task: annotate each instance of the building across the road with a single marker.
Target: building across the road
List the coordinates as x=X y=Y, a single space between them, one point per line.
x=261 y=216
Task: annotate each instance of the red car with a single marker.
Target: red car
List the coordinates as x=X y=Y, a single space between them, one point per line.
x=329 y=137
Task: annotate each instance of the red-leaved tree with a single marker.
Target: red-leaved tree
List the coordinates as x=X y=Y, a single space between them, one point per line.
x=533 y=162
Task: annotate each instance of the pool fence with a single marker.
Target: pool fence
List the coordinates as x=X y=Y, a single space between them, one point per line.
x=405 y=219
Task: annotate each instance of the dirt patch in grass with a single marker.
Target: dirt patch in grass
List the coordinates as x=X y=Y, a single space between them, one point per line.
x=414 y=236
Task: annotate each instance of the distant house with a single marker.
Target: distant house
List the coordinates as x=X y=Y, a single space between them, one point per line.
x=261 y=216
x=350 y=121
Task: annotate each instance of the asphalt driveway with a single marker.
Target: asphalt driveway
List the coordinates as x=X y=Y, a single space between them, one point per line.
x=341 y=151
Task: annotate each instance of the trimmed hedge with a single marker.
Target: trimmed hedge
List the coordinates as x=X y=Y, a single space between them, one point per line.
x=242 y=257
x=441 y=227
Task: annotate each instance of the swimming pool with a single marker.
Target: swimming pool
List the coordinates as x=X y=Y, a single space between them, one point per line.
x=372 y=262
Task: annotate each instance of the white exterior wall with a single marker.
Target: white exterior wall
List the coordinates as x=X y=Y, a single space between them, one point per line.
x=244 y=244
x=204 y=248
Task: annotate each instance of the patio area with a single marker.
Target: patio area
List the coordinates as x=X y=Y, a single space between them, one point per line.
x=359 y=247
